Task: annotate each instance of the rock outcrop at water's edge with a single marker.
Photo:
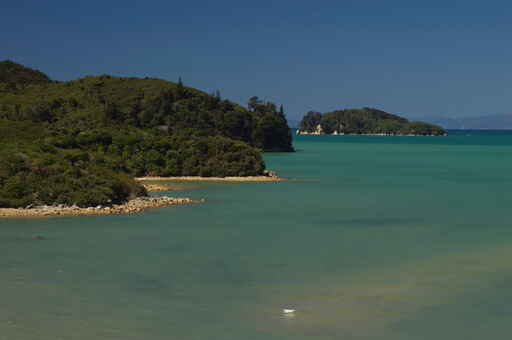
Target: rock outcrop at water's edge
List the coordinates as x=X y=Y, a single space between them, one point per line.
x=131 y=207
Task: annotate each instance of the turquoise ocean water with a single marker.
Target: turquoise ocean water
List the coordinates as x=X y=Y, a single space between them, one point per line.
x=378 y=238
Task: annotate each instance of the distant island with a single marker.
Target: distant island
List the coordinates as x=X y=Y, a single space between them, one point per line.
x=364 y=121
x=81 y=143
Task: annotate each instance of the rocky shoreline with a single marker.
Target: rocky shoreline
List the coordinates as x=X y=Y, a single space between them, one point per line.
x=136 y=205
x=131 y=207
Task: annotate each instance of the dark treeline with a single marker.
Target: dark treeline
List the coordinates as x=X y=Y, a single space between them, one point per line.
x=13 y=75
x=82 y=142
x=365 y=121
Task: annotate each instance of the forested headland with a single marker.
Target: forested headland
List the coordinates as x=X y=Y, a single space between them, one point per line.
x=365 y=121
x=83 y=141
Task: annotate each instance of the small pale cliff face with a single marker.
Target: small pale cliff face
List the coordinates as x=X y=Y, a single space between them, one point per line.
x=318 y=131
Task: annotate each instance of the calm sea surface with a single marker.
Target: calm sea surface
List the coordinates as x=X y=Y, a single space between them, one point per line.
x=378 y=238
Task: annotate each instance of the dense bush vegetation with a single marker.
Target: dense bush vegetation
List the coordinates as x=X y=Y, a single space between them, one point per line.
x=13 y=75
x=83 y=141
x=366 y=121
x=147 y=104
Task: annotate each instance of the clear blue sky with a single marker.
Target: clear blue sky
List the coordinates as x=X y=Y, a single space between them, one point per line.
x=418 y=58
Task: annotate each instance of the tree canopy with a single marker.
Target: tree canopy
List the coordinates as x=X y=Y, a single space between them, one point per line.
x=14 y=74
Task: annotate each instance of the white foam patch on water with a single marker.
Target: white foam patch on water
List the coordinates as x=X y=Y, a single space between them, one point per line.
x=374 y=302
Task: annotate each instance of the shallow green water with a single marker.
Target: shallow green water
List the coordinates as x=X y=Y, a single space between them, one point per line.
x=380 y=238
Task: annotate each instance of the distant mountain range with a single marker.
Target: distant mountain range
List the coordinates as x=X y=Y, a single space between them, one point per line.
x=489 y=122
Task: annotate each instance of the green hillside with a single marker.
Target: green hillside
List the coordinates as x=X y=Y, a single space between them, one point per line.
x=13 y=74
x=83 y=141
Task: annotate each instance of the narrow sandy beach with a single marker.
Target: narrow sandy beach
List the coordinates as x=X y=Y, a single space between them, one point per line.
x=223 y=179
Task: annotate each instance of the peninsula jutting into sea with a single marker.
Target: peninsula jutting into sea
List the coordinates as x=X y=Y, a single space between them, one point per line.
x=81 y=143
